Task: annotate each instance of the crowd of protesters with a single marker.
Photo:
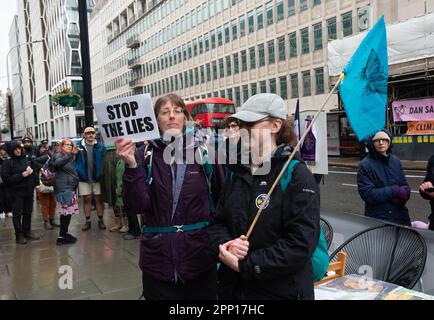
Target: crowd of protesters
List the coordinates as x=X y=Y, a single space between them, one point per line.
x=195 y=215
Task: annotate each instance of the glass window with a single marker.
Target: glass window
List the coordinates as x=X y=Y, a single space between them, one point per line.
x=245 y=93
x=294 y=85
x=283 y=88
x=220 y=36
x=363 y=14
x=251 y=18
x=271 y=55
x=213 y=42
x=316 y=2
x=195 y=47
x=191 y=77
x=254 y=88
x=214 y=70
x=282 y=54
x=317 y=35
x=200 y=39
x=304 y=40
x=260 y=18
x=306 y=83
x=225 y=4
x=243 y=60
x=292 y=44
x=206 y=40
x=252 y=55
x=208 y=72
x=331 y=29
x=263 y=86
x=228 y=66
x=193 y=18
x=234 y=24
x=229 y=94
x=242 y=26
x=237 y=96
x=211 y=8
x=221 y=68
x=319 y=80
x=279 y=9
x=347 y=24
x=205 y=12
x=269 y=8
x=291 y=7
x=303 y=5
x=272 y=85
x=236 y=63
x=261 y=53
x=218 y=7
x=227 y=32
x=202 y=74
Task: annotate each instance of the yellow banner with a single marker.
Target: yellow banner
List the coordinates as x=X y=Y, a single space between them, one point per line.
x=420 y=127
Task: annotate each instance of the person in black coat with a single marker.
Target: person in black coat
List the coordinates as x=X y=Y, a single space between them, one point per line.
x=18 y=175
x=381 y=182
x=426 y=189
x=5 y=203
x=275 y=261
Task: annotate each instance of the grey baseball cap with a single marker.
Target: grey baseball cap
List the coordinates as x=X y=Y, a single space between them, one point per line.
x=260 y=106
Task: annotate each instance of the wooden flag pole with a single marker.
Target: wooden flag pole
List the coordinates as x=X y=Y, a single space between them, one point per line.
x=297 y=147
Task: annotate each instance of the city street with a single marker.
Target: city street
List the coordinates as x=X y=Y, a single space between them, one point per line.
x=339 y=193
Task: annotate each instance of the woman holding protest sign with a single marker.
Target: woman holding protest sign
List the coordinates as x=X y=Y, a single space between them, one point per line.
x=65 y=185
x=275 y=261
x=176 y=198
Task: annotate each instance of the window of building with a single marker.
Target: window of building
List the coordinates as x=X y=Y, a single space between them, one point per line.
x=303 y=5
x=263 y=86
x=221 y=68
x=200 y=40
x=214 y=70
x=282 y=54
x=229 y=94
x=292 y=44
x=195 y=47
x=252 y=55
x=261 y=53
x=280 y=10
x=206 y=40
x=211 y=7
x=254 y=88
x=260 y=18
x=228 y=66
x=227 y=32
x=304 y=40
x=317 y=35
x=213 y=42
x=283 y=88
x=331 y=29
x=219 y=36
x=191 y=78
x=306 y=83
x=208 y=72
x=294 y=85
x=347 y=24
x=271 y=55
x=363 y=15
x=319 y=80
x=269 y=9
x=236 y=63
x=291 y=7
x=272 y=85
x=243 y=60
x=242 y=26
x=251 y=20
x=245 y=93
x=234 y=29
x=237 y=96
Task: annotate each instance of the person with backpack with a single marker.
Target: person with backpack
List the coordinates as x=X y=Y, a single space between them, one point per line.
x=177 y=199
x=275 y=262
x=65 y=185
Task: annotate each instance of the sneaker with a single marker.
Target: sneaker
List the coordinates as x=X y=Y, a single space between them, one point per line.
x=9 y=214
x=70 y=238
x=21 y=239
x=61 y=240
x=86 y=226
x=48 y=226
x=101 y=225
x=31 y=237
x=2 y=215
x=129 y=236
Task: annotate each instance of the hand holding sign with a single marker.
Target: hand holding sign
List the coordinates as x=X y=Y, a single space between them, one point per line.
x=125 y=149
x=131 y=117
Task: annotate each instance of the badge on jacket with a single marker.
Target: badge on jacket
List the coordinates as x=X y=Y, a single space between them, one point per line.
x=260 y=199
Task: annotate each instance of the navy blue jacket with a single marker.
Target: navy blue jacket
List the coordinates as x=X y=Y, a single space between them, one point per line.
x=81 y=161
x=377 y=179
x=429 y=177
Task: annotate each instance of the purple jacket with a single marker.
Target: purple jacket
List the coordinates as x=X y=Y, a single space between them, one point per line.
x=186 y=254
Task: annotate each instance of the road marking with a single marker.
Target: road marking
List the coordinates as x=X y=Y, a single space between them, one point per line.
x=355 y=173
x=355 y=185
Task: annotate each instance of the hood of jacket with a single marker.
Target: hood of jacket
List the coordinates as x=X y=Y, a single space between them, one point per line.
x=370 y=145
x=12 y=146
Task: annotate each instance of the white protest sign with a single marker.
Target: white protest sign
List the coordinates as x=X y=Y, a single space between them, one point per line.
x=129 y=117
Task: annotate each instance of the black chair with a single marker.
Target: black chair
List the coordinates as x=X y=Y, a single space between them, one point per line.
x=395 y=254
x=328 y=231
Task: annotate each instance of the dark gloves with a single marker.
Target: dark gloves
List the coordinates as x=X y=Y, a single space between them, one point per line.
x=401 y=194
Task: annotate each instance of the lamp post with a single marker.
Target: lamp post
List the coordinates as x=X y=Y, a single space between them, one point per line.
x=85 y=62
x=9 y=93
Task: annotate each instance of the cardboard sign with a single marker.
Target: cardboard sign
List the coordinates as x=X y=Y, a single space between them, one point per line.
x=129 y=117
x=420 y=127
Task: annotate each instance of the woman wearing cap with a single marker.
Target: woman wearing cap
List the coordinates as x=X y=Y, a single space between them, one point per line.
x=275 y=262
x=174 y=197
x=381 y=182
x=65 y=185
x=426 y=189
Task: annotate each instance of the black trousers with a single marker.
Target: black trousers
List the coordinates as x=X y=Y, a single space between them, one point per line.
x=203 y=288
x=22 y=208
x=5 y=201
x=133 y=223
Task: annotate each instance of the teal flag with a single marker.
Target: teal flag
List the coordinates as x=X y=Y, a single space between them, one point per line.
x=363 y=89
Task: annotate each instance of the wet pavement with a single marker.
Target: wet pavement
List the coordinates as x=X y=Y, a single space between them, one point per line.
x=102 y=264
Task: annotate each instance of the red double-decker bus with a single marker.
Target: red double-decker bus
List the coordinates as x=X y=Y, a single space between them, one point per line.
x=210 y=111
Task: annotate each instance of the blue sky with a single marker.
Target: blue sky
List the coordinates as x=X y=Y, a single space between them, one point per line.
x=6 y=16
